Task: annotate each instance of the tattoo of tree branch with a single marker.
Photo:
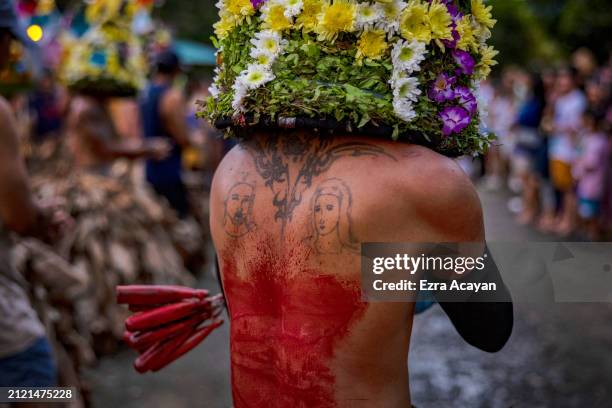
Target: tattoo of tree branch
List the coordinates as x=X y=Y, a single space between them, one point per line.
x=314 y=154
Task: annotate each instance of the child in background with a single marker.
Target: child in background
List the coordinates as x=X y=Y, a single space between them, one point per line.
x=568 y=110
x=590 y=172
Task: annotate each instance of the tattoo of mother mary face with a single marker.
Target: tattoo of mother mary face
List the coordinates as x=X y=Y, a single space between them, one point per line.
x=238 y=217
x=331 y=218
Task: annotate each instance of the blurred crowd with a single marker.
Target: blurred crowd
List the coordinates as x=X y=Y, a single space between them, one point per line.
x=553 y=149
x=128 y=179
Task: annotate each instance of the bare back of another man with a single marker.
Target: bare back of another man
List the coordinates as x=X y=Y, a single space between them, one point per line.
x=288 y=215
x=94 y=140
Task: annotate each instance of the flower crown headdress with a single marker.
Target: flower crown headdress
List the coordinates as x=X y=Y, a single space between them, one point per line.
x=108 y=58
x=408 y=70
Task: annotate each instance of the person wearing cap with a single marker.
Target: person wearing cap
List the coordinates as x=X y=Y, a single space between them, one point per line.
x=163 y=114
x=26 y=358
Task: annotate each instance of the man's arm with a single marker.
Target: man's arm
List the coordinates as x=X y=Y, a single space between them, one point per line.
x=106 y=144
x=454 y=214
x=173 y=113
x=17 y=210
x=433 y=201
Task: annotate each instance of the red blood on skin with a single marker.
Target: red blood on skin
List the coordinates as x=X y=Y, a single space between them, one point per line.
x=286 y=321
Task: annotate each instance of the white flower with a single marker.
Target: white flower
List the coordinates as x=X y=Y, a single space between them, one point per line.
x=214 y=90
x=261 y=57
x=368 y=14
x=408 y=55
x=239 y=94
x=392 y=11
x=404 y=110
x=397 y=75
x=267 y=42
x=292 y=7
x=406 y=89
x=253 y=77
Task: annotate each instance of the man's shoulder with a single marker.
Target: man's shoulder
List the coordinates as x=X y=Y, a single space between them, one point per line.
x=83 y=106
x=424 y=191
x=171 y=99
x=422 y=173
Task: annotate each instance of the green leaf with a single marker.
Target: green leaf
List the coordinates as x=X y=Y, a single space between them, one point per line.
x=365 y=119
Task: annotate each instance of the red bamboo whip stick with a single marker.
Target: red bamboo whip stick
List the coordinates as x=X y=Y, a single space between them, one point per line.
x=163 y=315
x=184 y=347
x=156 y=294
x=142 y=340
x=147 y=359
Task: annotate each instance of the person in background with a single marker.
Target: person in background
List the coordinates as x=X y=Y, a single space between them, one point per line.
x=163 y=113
x=26 y=358
x=94 y=139
x=502 y=114
x=567 y=121
x=529 y=143
x=585 y=64
x=547 y=198
x=598 y=95
x=590 y=172
x=47 y=105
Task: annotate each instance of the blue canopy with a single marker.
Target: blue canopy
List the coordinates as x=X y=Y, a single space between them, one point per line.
x=194 y=53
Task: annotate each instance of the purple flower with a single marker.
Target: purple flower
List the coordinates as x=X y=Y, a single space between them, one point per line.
x=442 y=88
x=466 y=98
x=257 y=3
x=452 y=43
x=465 y=62
x=452 y=9
x=454 y=119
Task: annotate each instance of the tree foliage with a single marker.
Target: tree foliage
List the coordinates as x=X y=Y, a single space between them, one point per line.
x=529 y=32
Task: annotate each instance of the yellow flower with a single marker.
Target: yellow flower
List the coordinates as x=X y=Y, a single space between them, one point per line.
x=101 y=10
x=371 y=45
x=239 y=8
x=335 y=18
x=275 y=18
x=45 y=7
x=390 y=10
x=308 y=18
x=467 y=38
x=440 y=21
x=414 y=23
x=225 y=25
x=482 y=13
x=483 y=68
x=481 y=32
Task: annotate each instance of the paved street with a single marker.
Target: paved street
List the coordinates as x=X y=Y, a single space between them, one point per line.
x=559 y=356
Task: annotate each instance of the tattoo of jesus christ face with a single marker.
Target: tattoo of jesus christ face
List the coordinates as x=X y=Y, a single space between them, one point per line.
x=238 y=219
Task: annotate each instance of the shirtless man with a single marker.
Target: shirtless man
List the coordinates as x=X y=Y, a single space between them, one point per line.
x=288 y=212
x=26 y=358
x=95 y=141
